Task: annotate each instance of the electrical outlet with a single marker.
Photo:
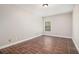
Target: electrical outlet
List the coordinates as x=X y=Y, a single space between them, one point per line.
x=9 y=40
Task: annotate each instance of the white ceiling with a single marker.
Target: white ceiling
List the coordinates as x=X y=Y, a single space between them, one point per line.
x=39 y=10
x=52 y=9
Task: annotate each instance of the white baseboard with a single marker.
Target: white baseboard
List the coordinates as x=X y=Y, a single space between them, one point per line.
x=18 y=42
x=59 y=36
x=76 y=45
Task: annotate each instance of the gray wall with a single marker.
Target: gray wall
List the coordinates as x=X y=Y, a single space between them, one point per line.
x=61 y=25
x=76 y=26
x=17 y=24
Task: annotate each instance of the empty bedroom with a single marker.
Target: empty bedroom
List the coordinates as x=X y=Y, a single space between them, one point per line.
x=39 y=29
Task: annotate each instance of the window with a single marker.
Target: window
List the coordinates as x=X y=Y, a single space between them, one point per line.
x=47 y=26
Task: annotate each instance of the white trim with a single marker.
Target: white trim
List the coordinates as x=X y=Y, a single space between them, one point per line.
x=76 y=45
x=59 y=36
x=18 y=42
